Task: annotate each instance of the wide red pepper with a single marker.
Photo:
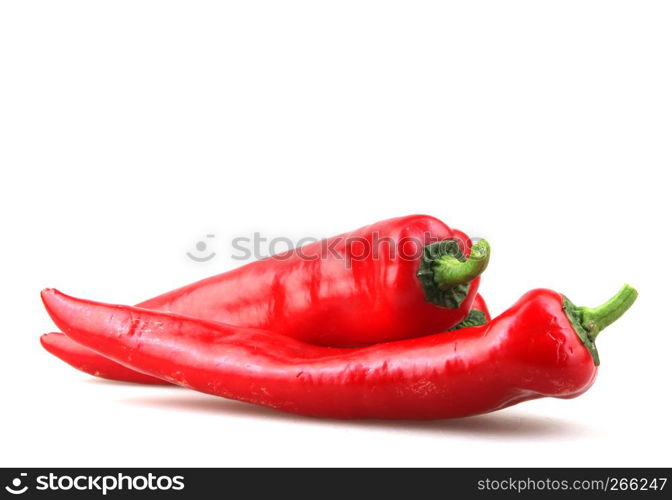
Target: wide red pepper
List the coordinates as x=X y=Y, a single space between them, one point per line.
x=542 y=346
x=398 y=278
x=86 y=360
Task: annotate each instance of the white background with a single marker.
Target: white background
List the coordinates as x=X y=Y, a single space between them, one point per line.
x=130 y=129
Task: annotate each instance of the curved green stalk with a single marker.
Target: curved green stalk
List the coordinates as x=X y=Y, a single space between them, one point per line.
x=588 y=322
x=598 y=318
x=445 y=273
x=450 y=270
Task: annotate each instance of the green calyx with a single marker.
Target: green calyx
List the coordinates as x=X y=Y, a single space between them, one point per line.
x=445 y=272
x=589 y=322
x=474 y=318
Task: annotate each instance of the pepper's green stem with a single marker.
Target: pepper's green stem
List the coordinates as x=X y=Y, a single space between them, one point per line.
x=588 y=322
x=597 y=319
x=450 y=271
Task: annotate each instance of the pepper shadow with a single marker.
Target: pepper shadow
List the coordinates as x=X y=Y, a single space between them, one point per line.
x=504 y=423
x=121 y=383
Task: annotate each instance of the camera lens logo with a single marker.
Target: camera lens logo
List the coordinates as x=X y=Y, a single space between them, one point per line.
x=201 y=246
x=15 y=488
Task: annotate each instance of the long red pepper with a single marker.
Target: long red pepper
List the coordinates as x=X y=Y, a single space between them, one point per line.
x=86 y=360
x=397 y=278
x=542 y=346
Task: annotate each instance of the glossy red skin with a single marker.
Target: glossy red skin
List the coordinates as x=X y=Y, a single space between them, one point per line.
x=321 y=300
x=84 y=359
x=529 y=351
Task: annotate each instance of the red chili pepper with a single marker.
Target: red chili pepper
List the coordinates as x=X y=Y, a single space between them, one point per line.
x=542 y=346
x=84 y=359
x=398 y=278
